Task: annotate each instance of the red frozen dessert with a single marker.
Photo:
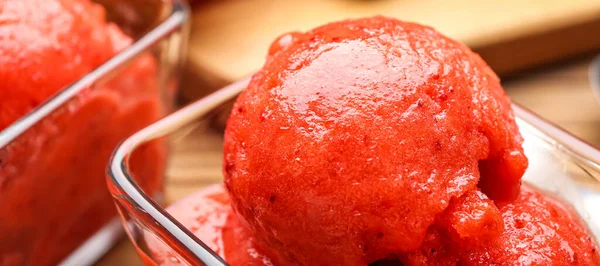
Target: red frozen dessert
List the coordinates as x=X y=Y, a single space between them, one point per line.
x=356 y=136
x=537 y=231
x=52 y=187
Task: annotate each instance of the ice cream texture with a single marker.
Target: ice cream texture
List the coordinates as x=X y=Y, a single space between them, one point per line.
x=364 y=133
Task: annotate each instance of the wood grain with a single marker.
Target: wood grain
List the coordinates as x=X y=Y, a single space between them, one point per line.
x=230 y=38
x=564 y=96
x=560 y=94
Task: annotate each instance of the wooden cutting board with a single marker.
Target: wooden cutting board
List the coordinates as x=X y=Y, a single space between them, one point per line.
x=230 y=37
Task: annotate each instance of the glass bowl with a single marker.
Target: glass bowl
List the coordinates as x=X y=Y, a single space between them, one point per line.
x=54 y=204
x=560 y=164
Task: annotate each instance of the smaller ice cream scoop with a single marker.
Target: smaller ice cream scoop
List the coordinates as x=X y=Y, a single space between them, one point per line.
x=355 y=137
x=208 y=215
x=538 y=230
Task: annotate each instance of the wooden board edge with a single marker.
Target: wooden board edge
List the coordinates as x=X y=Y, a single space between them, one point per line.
x=511 y=56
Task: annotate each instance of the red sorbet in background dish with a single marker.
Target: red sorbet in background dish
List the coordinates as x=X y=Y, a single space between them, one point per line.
x=357 y=135
x=53 y=194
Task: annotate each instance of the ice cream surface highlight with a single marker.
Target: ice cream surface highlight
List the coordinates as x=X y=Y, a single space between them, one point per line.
x=358 y=136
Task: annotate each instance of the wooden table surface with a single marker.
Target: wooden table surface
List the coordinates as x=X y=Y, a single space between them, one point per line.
x=561 y=94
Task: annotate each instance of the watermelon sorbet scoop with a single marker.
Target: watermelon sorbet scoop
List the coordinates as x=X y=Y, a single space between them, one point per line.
x=358 y=138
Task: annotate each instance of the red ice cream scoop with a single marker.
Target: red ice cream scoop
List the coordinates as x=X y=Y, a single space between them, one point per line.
x=357 y=136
